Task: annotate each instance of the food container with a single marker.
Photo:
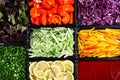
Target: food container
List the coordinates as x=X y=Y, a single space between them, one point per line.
x=38 y=59
x=98 y=70
x=55 y=37
x=102 y=12
x=49 y=60
x=81 y=50
x=72 y=3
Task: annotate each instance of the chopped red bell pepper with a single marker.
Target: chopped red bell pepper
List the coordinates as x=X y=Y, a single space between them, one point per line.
x=47 y=12
x=66 y=18
x=34 y=13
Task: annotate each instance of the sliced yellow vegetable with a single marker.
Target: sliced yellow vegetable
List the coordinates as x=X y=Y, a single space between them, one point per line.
x=99 y=43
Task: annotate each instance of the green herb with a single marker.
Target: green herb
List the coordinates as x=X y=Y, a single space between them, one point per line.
x=11 y=19
x=22 y=17
x=1 y=15
x=47 y=42
x=12 y=63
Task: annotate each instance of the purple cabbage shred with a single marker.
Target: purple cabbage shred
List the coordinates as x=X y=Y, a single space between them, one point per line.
x=99 y=12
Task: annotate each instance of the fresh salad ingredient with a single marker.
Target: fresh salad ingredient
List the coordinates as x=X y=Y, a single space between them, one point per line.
x=60 y=64
x=51 y=42
x=99 y=12
x=31 y=68
x=69 y=66
x=12 y=63
x=99 y=43
x=40 y=65
x=47 y=12
x=13 y=21
x=51 y=70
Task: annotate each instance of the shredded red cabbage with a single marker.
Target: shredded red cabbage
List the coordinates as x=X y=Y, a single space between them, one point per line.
x=99 y=12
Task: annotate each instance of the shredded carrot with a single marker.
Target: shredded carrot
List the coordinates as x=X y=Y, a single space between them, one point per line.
x=99 y=43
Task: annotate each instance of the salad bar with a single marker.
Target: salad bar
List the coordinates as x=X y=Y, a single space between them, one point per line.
x=59 y=39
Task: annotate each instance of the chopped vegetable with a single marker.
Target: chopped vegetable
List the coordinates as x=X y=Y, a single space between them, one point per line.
x=48 y=42
x=12 y=63
x=13 y=21
x=51 y=70
x=99 y=12
x=99 y=43
x=47 y=12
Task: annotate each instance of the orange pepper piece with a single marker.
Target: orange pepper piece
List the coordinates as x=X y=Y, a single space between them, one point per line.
x=68 y=2
x=68 y=8
x=66 y=18
x=49 y=21
x=46 y=5
x=61 y=10
x=37 y=5
x=52 y=10
x=34 y=13
x=50 y=2
x=59 y=1
x=55 y=5
x=30 y=3
x=71 y=18
x=35 y=21
x=43 y=19
x=42 y=11
x=91 y=47
x=56 y=19
x=65 y=2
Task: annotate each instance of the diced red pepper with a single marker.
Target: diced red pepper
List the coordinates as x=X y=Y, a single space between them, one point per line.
x=56 y=19
x=71 y=2
x=68 y=8
x=66 y=18
x=59 y=2
x=30 y=3
x=45 y=5
x=55 y=5
x=51 y=12
x=37 y=5
x=61 y=10
x=42 y=11
x=50 y=2
x=71 y=18
x=49 y=21
x=43 y=19
x=34 y=13
x=35 y=21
